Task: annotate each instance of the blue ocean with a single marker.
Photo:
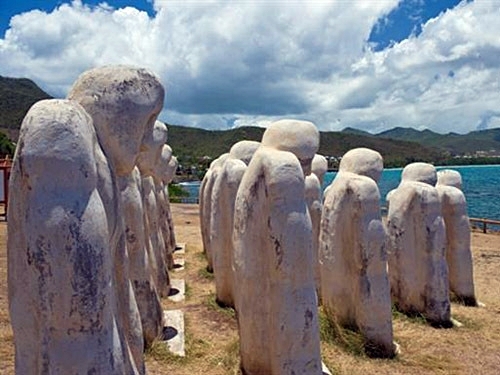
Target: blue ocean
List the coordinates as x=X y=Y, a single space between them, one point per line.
x=481 y=186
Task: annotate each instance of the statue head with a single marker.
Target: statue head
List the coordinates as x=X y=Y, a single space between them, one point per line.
x=449 y=177
x=301 y=138
x=244 y=150
x=147 y=159
x=363 y=161
x=420 y=172
x=124 y=103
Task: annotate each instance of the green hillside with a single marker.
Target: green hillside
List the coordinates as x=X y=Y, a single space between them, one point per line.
x=192 y=144
x=399 y=146
x=17 y=95
x=455 y=144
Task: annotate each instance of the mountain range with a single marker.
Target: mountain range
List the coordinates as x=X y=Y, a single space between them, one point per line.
x=398 y=146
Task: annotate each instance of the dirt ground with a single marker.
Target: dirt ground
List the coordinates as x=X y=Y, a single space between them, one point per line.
x=212 y=339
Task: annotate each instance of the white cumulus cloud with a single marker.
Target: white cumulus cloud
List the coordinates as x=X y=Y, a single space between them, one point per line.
x=237 y=63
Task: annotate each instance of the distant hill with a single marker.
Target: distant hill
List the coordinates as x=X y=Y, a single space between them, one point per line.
x=455 y=144
x=17 y=95
x=399 y=146
x=192 y=144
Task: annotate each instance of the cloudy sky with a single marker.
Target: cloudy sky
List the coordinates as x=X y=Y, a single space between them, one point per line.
x=372 y=64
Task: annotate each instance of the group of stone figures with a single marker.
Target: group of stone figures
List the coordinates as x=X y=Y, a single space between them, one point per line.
x=90 y=234
x=276 y=244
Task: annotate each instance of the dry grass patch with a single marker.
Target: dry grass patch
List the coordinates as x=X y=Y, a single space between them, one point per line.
x=212 y=346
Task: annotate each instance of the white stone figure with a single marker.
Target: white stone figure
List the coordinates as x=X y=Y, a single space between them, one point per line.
x=206 y=205
x=273 y=263
x=141 y=275
x=141 y=268
x=314 y=201
x=124 y=103
x=169 y=176
x=353 y=260
x=222 y=212
x=146 y=162
x=458 y=247
x=161 y=176
x=60 y=279
x=319 y=167
x=417 y=265
x=75 y=311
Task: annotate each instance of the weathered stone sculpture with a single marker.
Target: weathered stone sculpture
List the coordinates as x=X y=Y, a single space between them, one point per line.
x=319 y=167
x=161 y=177
x=61 y=288
x=144 y=280
x=353 y=261
x=458 y=248
x=314 y=201
x=417 y=264
x=75 y=311
x=170 y=173
x=141 y=275
x=146 y=162
x=273 y=263
x=123 y=103
x=206 y=205
x=221 y=223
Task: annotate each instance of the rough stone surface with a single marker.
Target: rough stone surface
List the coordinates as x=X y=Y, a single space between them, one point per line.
x=458 y=236
x=319 y=167
x=314 y=201
x=205 y=195
x=222 y=200
x=273 y=256
x=417 y=265
x=353 y=260
x=170 y=173
x=62 y=236
x=162 y=171
x=141 y=276
x=123 y=103
x=155 y=245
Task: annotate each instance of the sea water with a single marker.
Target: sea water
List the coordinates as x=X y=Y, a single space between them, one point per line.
x=481 y=186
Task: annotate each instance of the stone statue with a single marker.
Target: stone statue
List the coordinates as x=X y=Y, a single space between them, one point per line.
x=146 y=162
x=124 y=103
x=62 y=294
x=458 y=248
x=143 y=271
x=222 y=199
x=206 y=205
x=161 y=181
x=75 y=310
x=168 y=178
x=141 y=274
x=314 y=201
x=353 y=260
x=417 y=264
x=273 y=263
x=319 y=167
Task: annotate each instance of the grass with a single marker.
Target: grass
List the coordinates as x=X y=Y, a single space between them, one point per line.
x=211 y=302
x=204 y=273
x=212 y=338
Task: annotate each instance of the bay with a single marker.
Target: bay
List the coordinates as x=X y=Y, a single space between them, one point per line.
x=481 y=186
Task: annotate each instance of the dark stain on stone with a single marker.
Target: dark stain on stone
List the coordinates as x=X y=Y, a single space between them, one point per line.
x=278 y=251
x=130 y=235
x=308 y=317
